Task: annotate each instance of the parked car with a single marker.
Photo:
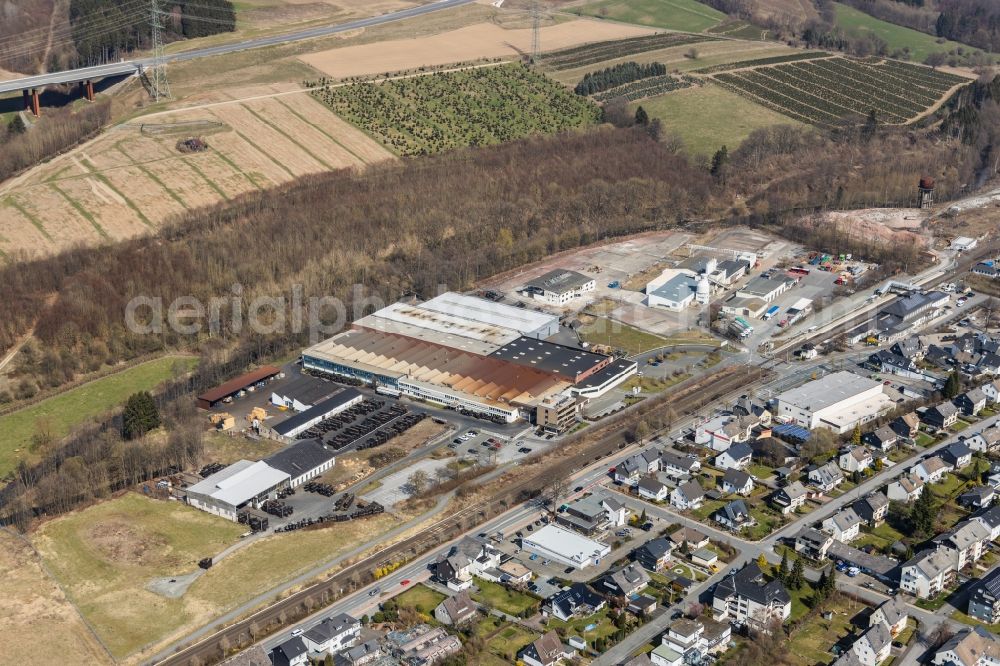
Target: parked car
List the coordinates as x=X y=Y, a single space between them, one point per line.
x=568 y=570
x=405 y=581
x=578 y=489
x=296 y=632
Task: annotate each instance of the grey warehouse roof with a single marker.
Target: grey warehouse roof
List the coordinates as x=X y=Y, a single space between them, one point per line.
x=677 y=288
x=301 y=457
x=559 y=281
x=826 y=391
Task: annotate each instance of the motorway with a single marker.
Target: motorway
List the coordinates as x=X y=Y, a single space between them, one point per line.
x=137 y=65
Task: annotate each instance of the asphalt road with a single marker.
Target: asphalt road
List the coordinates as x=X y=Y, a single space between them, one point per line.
x=129 y=66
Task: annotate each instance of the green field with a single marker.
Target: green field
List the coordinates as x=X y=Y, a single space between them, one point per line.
x=474 y=107
x=709 y=117
x=106 y=555
x=66 y=410
x=856 y=24
x=602 y=331
x=811 y=643
x=686 y=15
x=421 y=599
x=502 y=598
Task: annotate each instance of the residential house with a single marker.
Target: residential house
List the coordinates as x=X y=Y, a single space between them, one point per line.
x=736 y=481
x=639 y=660
x=690 y=536
x=745 y=597
x=629 y=471
x=790 y=498
x=650 y=488
x=906 y=488
x=892 y=614
x=546 y=650
x=721 y=433
x=966 y=542
x=687 y=496
x=366 y=653
x=906 y=426
x=737 y=456
x=969 y=647
x=872 y=509
x=856 y=459
x=932 y=470
x=941 y=416
x=469 y=558
x=511 y=572
x=912 y=348
x=705 y=557
x=334 y=634
x=593 y=513
x=993 y=475
x=813 y=543
x=882 y=439
x=429 y=646
x=885 y=361
x=990 y=519
x=685 y=637
x=987 y=441
x=844 y=525
x=655 y=554
x=971 y=402
x=958 y=455
x=984 y=598
x=927 y=573
x=749 y=407
x=979 y=497
x=734 y=515
x=577 y=600
x=625 y=582
x=873 y=646
x=292 y=652
x=664 y=655
x=642 y=605
x=826 y=477
x=456 y=610
x=992 y=391
x=678 y=466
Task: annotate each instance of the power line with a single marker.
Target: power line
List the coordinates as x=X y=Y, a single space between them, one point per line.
x=159 y=87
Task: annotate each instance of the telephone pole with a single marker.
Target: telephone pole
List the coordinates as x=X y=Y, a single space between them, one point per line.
x=536 y=24
x=159 y=87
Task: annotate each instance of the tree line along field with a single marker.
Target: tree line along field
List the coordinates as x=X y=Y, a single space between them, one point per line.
x=822 y=91
x=591 y=54
x=479 y=106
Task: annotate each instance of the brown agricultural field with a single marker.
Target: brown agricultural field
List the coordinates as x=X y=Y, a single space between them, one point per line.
x=33 y=609
x=132 y=178
x=484 y=40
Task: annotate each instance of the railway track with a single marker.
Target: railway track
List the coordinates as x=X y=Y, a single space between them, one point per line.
x=687 y=399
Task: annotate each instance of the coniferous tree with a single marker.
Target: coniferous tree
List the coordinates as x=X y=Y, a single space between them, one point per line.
x=719 y=162
x=641 y=117
x=140 y=415
x=783 y=567
x=797 y=578
x=952 y=386
x=922 y=513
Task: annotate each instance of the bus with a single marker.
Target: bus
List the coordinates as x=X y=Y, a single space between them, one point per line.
x=771 y=311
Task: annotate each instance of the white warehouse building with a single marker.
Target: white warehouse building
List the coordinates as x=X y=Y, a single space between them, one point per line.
x=676 y=293
x=555 y=543
x=559 y=286
x=838 y=401
x=244 y=483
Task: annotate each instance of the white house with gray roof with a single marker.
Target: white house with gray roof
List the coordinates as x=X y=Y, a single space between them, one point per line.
x=843 y=526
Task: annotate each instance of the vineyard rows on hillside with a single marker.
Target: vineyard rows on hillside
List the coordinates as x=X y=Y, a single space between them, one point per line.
x=822 y=91
x=773 y=60
x=589 y=54
x=651 y=87
x=427 y=114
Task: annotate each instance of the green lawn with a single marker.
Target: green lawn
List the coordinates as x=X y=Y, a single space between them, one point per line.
x=685 y=15
x=950 y=486
x=509 y=642
x=966 y=619
x=707 y=508
x=503 y=599
x=767 y=521
x=708 y=117
x=799 y=607
x=935 y=603
x=605 y=627
x=760 y=471
x=64 y=411
x=960 y=425
x=856 y=23
x=421 y=599
x=603 y=331
x=923 y=439
x=810 y=644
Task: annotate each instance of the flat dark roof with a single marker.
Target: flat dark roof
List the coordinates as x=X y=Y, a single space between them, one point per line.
x=320 y=409
x=548 y=356
x=300 y=457
x=236 y=384
x=613 y=369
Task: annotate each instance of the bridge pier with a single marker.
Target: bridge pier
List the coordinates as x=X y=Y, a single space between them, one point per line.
x=87 y=88
x=36 y=105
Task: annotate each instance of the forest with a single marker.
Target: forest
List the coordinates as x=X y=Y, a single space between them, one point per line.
x=620 y=74
x=104 y=30
x=56 y=131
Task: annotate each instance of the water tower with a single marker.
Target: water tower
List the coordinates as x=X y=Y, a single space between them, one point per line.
x=925 y=192
x=704 y=293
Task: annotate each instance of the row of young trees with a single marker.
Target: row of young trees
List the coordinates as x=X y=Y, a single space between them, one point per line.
x=54 y=132
x=620 y=74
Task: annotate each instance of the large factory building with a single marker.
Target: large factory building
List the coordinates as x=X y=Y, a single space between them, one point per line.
x=466 y=353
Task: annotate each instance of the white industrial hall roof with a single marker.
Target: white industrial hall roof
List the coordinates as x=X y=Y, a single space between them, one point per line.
x=827 y=391
x=241 y=481
x=521 y=319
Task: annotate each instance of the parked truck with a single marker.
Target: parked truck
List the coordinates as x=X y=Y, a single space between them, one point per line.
x=771 y=311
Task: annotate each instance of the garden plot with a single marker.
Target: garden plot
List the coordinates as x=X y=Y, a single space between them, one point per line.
x=484 y=40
